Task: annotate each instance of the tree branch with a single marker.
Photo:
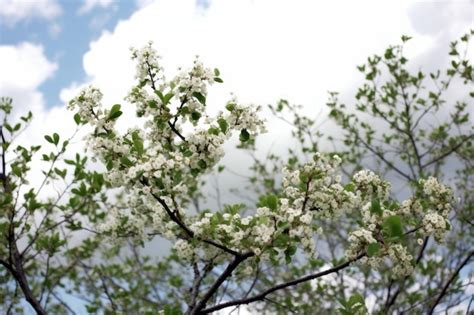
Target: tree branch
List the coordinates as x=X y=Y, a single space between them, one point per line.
x=262 y=296
x=187 y=230
x=450 y=280
x=223 y=277
x=451 y=150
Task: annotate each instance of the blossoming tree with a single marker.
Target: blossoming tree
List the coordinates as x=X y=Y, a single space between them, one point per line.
x=86 y=241
x=408 y=126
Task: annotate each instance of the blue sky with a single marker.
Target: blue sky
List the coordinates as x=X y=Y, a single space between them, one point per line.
x=67 y=38
x=68 y=43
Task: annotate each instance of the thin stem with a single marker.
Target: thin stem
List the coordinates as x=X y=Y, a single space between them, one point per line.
x=450 y=280
x=262 y=296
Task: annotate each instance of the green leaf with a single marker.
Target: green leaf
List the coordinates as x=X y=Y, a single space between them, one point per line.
x=405 y=38
x=223 y=124
x=125 y=161
x=216 y=72
x=167 y=98
x=77 y=119
x=115 y=112
x=188 y=153
x=356 y=298
x=16 y=170
x=137 y=143
x=49 y=139
x=393 y=226
x=202 y=164
x=218 y=80
x=110 y=165
x=375 y=207
x=171 y=310
x=349 y=187
x=272 y=202
x=244 y=135
x=373 y=249
x=153 y=104
x=230 y=107
x=160 y=95
x=159 y=183
x=289 y=252
x=213 y=131
x=55 y=138
x=201 y=98
x=195 y=116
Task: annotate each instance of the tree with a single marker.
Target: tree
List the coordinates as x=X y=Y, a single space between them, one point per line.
x=86 y=240
x=408 y=125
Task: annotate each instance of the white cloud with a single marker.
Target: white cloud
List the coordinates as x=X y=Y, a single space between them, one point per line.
x=88 y=5
x=265 y=49
x=13 y=11
x=24 y=68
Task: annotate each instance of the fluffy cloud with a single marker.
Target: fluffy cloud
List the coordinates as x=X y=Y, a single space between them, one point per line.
x=24 y=69
x=265 y=49
x=13 y=11
x=24 y=66
x=88 y=5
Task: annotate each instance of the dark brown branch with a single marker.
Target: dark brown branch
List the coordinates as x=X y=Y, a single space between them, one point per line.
x=450 y=280
x=66 y=306
x=382 y=157
x=15 y=264
x=20 y=276
x=172 y=125
x=451 y=150
x=408 y=132
x=107 y=293
x=195 y=288
x=173 y=128
x=187 y=230
x=262 y=296
x=223 y=277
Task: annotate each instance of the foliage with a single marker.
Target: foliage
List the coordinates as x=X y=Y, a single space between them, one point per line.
x=86 y=237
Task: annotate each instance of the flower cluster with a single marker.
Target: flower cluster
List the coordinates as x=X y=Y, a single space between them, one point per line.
x=244 y=117
x=383 y=221
x=437 y=201
x=158 y=160
x=184 y=249
x=147 y=65
x=436 y=225
x=192 y=85
x=371 y=185
x=88 y=104
x=359 y=240
x=316 y=187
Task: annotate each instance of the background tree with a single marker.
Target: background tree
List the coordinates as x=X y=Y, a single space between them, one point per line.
x=408 y=125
